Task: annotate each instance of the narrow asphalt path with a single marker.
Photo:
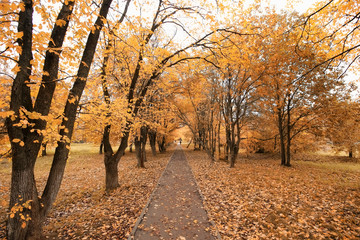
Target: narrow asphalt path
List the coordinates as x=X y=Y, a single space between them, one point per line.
x=175 y=209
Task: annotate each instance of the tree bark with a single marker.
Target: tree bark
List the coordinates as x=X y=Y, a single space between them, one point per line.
x=101 y=147
x=143 y=139
x=228 y=143
x=219 y=142
x=288 y=136
x=140 y=160
x=152 y=140
x=189 y=143
x=140 y=143
x=351 y=152
x=23 y=186
x=161 y=144
x=281 y=136
x=43 y=149
x=233 y=156
x=111 y=173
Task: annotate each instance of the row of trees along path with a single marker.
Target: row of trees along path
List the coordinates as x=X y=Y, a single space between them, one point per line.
x=175 y=209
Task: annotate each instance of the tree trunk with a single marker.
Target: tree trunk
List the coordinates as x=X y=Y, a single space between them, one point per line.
x=70 y=111
x=111 y=173
x=288 y=136
x=161 y=144
x=23 y=186
x=101 y=147
x=43 y=149
x=138 y=150
x=152 y=140
x=233 y=156
x=281 y=135
x=189 y=143
x=143 y=140
x=218 y=139
x=228 y=143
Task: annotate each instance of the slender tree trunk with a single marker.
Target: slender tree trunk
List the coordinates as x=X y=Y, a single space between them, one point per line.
x=143 y=140
x=189 y=143
x=288 y=136
x=152 y=140
x=138 y=150
x=228 y=143
x=234 y=149
x=351 y=152
x=219 y=141
x=281 y=136
x=275 y=143
x=101 y=147
x=140 y=143
x=161 y=144
x=43 y=149
x=62 y=151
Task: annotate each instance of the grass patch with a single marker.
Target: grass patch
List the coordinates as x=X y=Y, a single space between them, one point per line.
x=333 y=166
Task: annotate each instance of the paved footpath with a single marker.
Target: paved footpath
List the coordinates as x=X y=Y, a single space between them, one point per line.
x=175 y=209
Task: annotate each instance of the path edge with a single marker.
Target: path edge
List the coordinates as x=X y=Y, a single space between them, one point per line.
x=143 y=212
x=218 y=236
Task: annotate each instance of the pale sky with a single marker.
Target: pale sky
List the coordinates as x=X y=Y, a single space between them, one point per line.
x=300 y=5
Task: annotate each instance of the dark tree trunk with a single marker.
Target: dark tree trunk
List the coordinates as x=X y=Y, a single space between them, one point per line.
x=281 y=136
x=350 y=153
x=218 y=140
x=161 y=144
x=234 y=148
x=22 y=177
x=152 y=140
x=43 y=149
x=140 y=143
x=62 y=151
x=140 y=159
x=143 y=139
x=23 y=186
x=189 y=143
x=233 y=156
x=101 y=147
x=111 y=159
x=111 y=173
x=228 y=143
x=275 y=142
x=288 y=137
x=131 y=147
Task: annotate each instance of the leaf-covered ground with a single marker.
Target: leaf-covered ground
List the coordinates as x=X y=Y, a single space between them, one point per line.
x=82 y=209
x=259 y=199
